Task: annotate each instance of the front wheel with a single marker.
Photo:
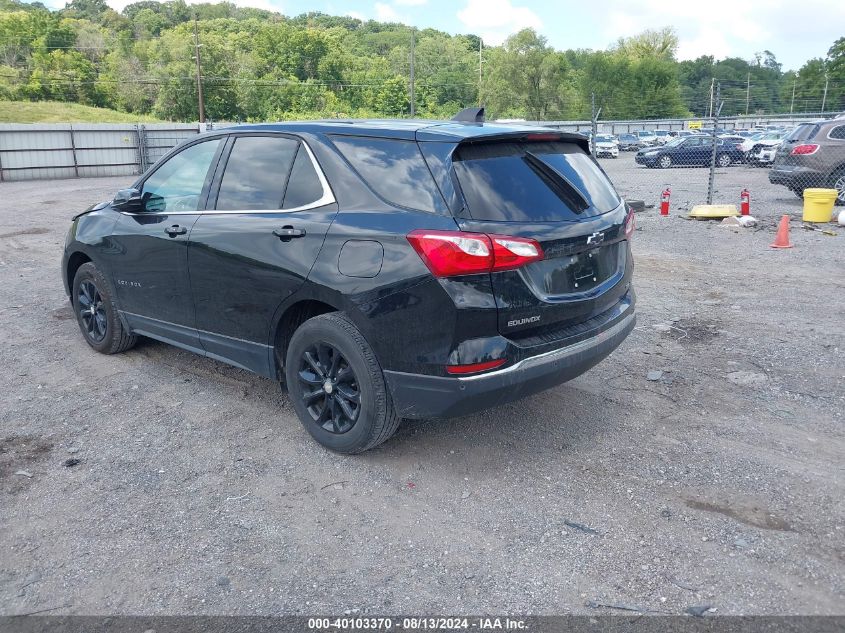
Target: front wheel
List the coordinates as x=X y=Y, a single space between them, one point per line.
x=724 y=160
x=96 y=312
x=337 y=387
x=665 y=162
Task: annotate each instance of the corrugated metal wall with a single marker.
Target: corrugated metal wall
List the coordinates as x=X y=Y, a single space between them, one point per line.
x=48 y=151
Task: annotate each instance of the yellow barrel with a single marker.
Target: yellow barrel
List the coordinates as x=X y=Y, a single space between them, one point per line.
x=818 y=204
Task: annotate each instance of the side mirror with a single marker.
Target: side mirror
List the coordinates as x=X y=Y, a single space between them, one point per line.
x=128 y=200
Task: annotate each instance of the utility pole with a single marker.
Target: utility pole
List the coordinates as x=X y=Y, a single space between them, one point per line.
x=824 y=97
x=480 y=72
x=792 y=103
x=594 y=121
x=199 y=72
x=747 y=93
x=413 y=104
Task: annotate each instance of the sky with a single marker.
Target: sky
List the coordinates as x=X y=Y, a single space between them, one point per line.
x=793 y=31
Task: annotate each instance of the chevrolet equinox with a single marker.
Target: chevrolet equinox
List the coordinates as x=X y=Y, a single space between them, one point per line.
x=379 y=269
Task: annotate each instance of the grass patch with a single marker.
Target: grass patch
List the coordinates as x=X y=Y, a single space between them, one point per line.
x=61 y=112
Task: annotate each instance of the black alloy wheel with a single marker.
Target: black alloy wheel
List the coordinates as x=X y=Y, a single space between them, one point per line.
x=92 y=311
x=336 y=385
x=330 y=390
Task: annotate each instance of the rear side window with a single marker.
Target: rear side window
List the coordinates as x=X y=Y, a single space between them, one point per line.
x=838 y=132
x=304 y=185
x=802 y=133
x=394 y=169
x=532 y=182
x=256 y=173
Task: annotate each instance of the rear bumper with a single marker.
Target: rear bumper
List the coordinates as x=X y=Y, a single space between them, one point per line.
x=422 y=396
x=796 y=176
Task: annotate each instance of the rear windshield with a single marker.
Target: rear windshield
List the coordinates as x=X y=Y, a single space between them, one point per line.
x=532 y=182
x=803 y=132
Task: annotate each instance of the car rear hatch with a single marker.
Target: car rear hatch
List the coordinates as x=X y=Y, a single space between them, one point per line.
x=801 y=135
x=549 y=189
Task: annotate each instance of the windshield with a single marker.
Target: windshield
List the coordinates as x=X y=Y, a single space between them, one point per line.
x=604 y=138
x=674 y=142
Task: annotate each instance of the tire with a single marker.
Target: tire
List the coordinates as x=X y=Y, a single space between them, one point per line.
x=837 y=181
x=324 y=391
x=664 y=162
x=724 y=160
x=96 y=312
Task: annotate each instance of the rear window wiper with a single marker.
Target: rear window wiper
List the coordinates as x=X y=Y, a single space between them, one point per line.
x=555 y=181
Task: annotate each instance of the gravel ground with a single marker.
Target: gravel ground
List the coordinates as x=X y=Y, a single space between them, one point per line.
x=701 y=464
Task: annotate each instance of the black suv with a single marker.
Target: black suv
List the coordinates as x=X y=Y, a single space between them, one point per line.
x=381 y=269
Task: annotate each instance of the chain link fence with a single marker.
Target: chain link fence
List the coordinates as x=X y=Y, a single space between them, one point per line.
x=768 y=163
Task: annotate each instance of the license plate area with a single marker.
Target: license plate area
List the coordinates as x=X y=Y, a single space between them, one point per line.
x=583 y=271
x=567 y=276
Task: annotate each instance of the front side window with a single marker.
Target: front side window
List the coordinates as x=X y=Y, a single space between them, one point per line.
x=256 y=173
x=178 y=183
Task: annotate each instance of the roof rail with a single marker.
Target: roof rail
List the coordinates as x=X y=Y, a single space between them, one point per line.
x=470 y=115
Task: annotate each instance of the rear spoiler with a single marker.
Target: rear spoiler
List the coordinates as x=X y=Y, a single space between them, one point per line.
x=529 y=136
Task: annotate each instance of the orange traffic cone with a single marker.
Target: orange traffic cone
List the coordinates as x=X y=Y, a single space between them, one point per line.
x=782 y=238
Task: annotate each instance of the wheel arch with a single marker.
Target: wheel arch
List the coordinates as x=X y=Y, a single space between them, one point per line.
x=75 y=260
x=289 y=320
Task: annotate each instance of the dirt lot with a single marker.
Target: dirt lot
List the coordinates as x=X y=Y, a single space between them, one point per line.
x=716 y=482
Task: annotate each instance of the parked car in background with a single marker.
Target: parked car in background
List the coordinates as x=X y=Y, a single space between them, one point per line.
x=760 y=150
x=629 y=142
x=732 y=138
x=694 y=150
x=647 y=137
x=379 y=269
x=812 y=155
x=680 y=134
x=662 y=136
x=606 y=145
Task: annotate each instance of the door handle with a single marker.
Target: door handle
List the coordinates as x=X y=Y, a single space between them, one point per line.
x=287 y=233
x=175 y=230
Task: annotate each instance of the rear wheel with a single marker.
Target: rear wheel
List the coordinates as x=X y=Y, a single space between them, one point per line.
x=337 y=387
x=724 y=160
x=665 y=161
x=96 y=312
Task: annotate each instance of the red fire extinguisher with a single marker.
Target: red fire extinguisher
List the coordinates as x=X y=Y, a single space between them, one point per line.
x=664 y=201
x=745 y=202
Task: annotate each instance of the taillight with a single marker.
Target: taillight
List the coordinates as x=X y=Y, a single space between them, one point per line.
x=804 y=150
x=629 y=224
x=513 y=252
x=453 y=253
x=542 y=136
